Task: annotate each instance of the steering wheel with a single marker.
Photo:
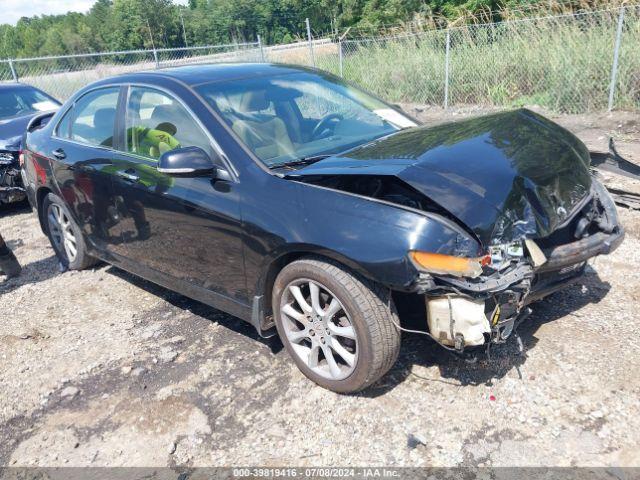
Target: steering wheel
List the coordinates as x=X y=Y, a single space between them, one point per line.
x=323 y=124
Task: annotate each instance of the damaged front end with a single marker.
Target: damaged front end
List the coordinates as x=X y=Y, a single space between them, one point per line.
x=464 y=312
x=516 y=185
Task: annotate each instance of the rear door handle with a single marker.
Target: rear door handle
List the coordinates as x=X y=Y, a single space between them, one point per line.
x=59 y=154
x=128 y=174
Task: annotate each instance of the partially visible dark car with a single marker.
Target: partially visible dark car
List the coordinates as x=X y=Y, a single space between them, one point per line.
x=286 y=197
x=18 y=105
x=9 y=265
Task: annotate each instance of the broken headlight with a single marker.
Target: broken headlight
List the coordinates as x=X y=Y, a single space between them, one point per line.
x=502 y=255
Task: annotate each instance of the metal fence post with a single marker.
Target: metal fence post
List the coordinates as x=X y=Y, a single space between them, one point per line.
x=312 y=56
x=155 y=57
x=340 y=58
x=446 y=70
x=261 y=48
x=616 y=54
x=153 y=45
x=13 y=71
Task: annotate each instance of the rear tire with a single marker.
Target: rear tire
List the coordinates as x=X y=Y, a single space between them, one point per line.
x=346 y=305
x=64 y=234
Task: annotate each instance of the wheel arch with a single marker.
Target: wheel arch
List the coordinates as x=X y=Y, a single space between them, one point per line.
x=41 y=194
x=264 y=287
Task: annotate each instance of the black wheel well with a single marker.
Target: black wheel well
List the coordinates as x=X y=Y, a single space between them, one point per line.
x=411 y=306
x=40 y=196
x=274 y=269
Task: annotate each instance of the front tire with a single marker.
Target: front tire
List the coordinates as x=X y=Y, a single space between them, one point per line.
x=65 y=235
x=337 y=326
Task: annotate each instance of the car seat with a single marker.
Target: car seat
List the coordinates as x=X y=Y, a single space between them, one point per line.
x=264 y=133
x=102 y=133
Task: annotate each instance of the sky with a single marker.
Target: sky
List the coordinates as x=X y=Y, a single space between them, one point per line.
x=13 y=10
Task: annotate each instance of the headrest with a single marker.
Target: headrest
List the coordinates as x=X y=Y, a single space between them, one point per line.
x=165 y=117
x=164 y=113
x=254 y=101
x=103 y=118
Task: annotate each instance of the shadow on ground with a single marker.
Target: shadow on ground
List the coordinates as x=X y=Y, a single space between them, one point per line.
x=32 y=273
x=454 y=370
x=200 y=309
x=7 y=209
x=421 y=350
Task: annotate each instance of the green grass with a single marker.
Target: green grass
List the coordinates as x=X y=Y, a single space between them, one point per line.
x=561 y=64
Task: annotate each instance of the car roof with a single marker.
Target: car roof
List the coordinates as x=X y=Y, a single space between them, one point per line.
x=16 y=86
x=194 y=75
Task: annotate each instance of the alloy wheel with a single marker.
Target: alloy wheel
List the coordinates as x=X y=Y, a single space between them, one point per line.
x=319 y=329
x=61 y=231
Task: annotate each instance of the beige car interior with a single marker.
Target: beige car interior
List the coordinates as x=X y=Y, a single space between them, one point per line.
x=263 y=132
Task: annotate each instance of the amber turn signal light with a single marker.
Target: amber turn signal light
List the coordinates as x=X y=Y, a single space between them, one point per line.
x=449 y=265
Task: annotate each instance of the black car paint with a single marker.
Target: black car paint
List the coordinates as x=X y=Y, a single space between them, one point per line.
x=507 y=176
x=222 y=241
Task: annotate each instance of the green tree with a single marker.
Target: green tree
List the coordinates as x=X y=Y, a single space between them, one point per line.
x=144 y=23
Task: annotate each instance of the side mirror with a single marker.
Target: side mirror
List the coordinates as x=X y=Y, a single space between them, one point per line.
x=189 y=161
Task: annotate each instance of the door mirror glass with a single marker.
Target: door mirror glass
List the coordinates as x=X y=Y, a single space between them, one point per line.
x=186 y=161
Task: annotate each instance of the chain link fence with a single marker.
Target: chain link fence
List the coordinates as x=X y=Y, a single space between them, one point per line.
x=577 y=63
x=63 y=75
x=564 y=63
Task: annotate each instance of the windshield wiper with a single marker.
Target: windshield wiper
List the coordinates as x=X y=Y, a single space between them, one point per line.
x=301 y=161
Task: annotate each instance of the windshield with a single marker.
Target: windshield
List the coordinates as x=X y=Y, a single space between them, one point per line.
x=21 y=100
x=300 y=115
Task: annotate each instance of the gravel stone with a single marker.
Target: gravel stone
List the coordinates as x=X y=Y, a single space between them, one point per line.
x=69 y=392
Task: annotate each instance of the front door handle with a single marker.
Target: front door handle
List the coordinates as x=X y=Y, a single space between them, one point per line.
x=59 y=154
x=128 y=174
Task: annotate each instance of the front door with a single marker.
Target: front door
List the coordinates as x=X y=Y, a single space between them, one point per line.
x=185 y=228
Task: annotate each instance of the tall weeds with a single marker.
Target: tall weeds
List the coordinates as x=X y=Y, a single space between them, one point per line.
x=559 y=62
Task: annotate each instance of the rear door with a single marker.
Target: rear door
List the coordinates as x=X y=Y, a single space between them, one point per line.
x=185 y=228
x=82 y=149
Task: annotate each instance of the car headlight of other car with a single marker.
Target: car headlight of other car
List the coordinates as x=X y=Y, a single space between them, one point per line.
x=441 y=264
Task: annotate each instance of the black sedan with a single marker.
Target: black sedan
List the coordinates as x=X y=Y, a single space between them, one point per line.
x=295 y=201
x=18 y=105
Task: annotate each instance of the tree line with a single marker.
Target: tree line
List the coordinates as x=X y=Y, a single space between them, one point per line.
x=137 y=24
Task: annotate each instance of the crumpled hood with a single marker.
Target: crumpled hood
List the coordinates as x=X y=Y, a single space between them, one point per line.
x=506 y=176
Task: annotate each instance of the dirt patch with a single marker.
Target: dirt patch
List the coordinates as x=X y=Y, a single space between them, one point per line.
x=101 y=368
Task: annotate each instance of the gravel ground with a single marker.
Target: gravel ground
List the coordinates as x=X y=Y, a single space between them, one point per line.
x=100 y=368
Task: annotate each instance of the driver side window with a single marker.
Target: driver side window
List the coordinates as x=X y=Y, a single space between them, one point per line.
x=156 y=123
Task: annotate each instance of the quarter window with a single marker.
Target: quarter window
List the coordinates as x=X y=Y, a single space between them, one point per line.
x=91 y=119
x=157 y=123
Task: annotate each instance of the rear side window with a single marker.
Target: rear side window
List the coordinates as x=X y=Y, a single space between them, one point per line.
x=156 y=123
x=91 y=119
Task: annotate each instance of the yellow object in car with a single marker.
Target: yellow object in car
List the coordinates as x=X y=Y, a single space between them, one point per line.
x=150 y=142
